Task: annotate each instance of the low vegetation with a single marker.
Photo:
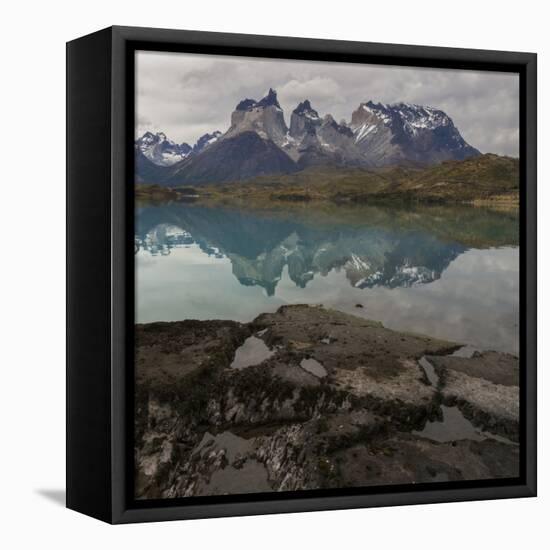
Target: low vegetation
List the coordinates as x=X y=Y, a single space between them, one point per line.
x=484 y=180
x=154 y=193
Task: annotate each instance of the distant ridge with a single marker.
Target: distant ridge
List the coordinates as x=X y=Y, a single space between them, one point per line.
x=258 y=142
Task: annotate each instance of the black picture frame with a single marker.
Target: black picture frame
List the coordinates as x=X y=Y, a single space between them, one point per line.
x=100 y=272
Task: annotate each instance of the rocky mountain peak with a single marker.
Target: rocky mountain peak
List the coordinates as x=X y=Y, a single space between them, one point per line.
x=407 y=114
x=264 y=117
x=269 y=99
x=379 y=134
x=371 y=111
x=419 y=116
x=340 y=128
x=402 y=132
x=147 y=137
x=206 y=140
x=245 y=105
x=306 y=109
x=160 y=150
x=304 y=121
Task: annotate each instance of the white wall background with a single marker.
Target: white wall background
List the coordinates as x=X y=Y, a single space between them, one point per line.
x=32 y=308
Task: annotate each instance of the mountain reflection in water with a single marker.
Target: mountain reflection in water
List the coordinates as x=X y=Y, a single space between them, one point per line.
x=450 y=272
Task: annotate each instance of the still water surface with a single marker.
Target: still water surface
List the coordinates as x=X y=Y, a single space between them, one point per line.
x=448 y=272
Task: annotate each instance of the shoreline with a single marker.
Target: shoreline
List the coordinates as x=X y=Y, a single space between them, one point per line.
x=308 y=398
x=477 y=180
x=263 y=200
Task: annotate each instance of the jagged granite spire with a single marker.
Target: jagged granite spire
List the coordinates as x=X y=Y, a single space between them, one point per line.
x=269 y=99
x=265 y=117
x=305 y=108
x=245 y=104
x=304 y=120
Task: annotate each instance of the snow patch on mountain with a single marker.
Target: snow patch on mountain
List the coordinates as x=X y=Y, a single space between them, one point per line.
x=161 y=150
x=206 y=140
x=379 y=134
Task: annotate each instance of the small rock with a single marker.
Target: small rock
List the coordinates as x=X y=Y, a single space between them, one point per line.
x=239 y=461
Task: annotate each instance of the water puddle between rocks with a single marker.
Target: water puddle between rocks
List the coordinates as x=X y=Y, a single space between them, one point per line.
x=242 y=473
x=233 y=444
x=252 y=352
x=430 y=371
x=454 y=426
x=314 y=367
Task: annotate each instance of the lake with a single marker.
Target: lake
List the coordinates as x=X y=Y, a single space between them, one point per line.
x=447 y=272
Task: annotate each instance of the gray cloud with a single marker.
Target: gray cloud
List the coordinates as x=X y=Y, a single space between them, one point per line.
x=187 y=95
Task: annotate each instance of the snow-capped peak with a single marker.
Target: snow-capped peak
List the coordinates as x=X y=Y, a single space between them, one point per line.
x=161 y=150
x=206 y=140
x=412 y=115
x=407 y=117
x=418 y=116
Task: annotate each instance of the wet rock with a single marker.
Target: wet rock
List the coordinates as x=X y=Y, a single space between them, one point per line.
x=371 y=364
x=496 y=367
x=219 y=464
x=300 y=456
x=485 y=388
x=239 y=461
x=354 y=342
x=166 y=353
x=204 y=427
x=405 y=459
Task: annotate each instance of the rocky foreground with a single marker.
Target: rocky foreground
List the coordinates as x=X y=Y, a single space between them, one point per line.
x=309 y=398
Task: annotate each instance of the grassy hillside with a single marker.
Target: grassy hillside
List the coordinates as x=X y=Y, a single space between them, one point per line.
x=488 y=179
x=154 y=193
x=484 y=178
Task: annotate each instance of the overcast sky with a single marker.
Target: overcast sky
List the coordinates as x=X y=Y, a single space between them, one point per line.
x=188 y=95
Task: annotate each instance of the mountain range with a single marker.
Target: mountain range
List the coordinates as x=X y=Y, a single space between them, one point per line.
x=259 y=142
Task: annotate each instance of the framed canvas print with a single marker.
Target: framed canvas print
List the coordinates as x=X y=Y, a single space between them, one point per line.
x=301 y=274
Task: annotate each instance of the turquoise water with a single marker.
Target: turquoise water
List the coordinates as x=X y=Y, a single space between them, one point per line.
x=451 y=273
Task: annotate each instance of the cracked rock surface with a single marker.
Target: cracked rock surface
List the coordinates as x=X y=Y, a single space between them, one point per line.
x=339 y=401
x=485 y=387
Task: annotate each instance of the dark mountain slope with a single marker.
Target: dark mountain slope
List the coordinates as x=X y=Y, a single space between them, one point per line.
x=232 y=159
x=147 y=171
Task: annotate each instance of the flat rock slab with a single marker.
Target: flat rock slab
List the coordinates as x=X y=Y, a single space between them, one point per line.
x=403 y=459
x=485 y=388
x=498 y=368
x=203 y=419
x=168 y=352
x=360 y=357
x=342 y=341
